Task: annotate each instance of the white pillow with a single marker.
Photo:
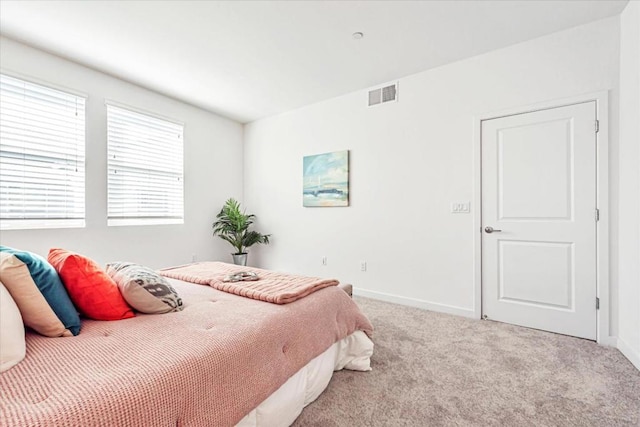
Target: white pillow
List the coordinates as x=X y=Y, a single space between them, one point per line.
x=12 y=344
x=144 y=289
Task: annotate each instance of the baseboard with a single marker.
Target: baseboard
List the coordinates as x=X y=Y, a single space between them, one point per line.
x=414 y=302
x=629 y=353
x=608 y=341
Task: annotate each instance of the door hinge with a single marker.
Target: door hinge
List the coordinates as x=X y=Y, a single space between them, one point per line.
x=597 y=126
x=597 y=303
x=597 y=214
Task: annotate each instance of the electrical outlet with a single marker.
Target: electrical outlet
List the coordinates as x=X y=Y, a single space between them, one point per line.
x=194 y=257
x=363 y=265
x=324 y=260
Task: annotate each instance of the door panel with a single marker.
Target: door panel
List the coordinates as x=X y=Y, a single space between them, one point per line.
x=523 y=191
x=523 y=281
x=539 y=194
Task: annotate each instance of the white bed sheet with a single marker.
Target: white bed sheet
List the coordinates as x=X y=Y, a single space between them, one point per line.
x=285 y=404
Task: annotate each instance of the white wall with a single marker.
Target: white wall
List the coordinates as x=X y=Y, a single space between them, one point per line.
x=629 y=223
x=212 y=161
x=409 y=161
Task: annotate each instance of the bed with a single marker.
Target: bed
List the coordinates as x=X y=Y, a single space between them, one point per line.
x=224 y=360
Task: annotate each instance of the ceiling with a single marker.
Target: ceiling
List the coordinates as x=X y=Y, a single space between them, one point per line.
x=251 y=59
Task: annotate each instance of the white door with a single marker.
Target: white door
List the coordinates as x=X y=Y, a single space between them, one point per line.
x=539 y=197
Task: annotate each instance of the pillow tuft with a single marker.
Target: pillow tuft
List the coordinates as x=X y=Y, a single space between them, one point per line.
x=144 y=289
x=12 y=342
x=38 y=292
x=90 y=287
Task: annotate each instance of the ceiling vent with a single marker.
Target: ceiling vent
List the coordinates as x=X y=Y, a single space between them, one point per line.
x=383 y=94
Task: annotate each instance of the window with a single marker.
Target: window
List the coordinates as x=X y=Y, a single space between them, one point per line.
x=145 y=178
x=42 y=169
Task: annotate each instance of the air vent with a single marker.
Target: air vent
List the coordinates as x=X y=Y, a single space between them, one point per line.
x=389 y=93
x=383 y=94
x=375 y=97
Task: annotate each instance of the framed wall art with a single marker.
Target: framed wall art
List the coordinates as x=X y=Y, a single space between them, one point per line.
x=326 y=179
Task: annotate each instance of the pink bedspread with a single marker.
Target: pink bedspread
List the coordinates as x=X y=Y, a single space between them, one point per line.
x=207 y=365
x=278 y=288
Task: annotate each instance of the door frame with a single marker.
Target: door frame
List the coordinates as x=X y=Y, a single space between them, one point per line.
x=601 y=98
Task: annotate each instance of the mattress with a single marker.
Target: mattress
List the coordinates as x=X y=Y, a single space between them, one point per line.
x=286 y=403
x=213 y=363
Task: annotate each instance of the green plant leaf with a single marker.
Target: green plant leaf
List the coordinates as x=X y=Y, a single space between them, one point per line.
x=232 y=225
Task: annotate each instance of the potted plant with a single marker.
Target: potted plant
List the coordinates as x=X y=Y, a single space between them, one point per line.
x=232 y=225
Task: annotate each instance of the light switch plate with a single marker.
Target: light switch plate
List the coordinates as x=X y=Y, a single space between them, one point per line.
x=460 y=207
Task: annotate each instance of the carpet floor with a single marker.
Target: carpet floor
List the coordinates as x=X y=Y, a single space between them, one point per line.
x=434 y=369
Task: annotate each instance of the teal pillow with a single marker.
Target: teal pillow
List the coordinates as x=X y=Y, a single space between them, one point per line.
x=47 y=280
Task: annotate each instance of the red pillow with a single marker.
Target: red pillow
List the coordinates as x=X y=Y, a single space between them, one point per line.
x=91 y=289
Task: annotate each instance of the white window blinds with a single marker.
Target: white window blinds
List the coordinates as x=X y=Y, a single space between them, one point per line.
x=42 y=160
x=145 y=178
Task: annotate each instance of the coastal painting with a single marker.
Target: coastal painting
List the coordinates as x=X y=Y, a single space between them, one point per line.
x=326 y=179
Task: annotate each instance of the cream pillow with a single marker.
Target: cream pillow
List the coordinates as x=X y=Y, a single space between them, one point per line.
x=12 y=344
x=34 y=308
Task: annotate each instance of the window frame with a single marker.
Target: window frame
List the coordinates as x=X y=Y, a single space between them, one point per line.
x=115 y=221
x=44 y=222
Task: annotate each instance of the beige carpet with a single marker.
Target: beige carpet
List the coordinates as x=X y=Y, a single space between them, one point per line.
x=432 y=369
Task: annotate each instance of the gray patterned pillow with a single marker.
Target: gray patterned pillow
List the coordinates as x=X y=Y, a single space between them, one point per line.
x=144 y=289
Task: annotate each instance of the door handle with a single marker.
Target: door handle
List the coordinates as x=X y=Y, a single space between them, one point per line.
x=489 y=229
